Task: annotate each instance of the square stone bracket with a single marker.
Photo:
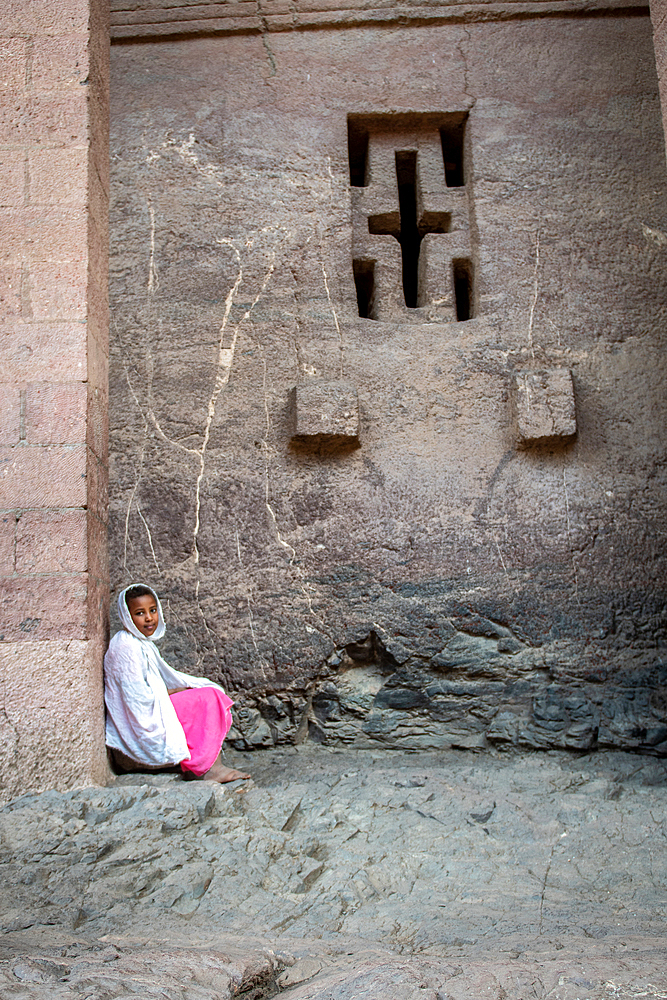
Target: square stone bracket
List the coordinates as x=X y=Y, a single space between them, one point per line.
x=325 y=413
x=544 y=406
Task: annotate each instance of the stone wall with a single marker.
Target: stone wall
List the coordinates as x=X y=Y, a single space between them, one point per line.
x=442 y=560
x=659 y=20
x=471 y=549
x=160 y=19
x=53 y=369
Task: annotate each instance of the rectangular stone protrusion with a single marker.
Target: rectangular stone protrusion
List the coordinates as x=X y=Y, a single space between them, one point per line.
x=325 y=411
x=544 y=403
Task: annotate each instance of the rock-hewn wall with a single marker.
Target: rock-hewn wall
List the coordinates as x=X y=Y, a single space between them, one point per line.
x=471 y=550
x=659 y=21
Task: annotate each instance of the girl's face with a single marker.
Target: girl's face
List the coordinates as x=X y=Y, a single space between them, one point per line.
x=143 y=611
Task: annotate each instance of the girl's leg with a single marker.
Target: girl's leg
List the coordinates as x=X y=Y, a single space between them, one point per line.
x=205 y=716
x=220 y=772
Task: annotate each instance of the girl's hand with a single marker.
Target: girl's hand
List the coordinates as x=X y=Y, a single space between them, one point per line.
x=176 y=690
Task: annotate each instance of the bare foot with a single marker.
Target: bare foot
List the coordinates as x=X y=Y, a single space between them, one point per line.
x=223 y=774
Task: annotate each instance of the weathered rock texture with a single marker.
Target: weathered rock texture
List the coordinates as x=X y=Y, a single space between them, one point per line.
x=659 y=21
x=131 y=19
x=444 y=583
x=53 y=382
x=341 y=875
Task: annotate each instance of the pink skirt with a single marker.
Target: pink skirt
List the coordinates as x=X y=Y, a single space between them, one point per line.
x=206 y=717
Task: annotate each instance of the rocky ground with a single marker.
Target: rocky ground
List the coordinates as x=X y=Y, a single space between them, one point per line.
x=338 y=875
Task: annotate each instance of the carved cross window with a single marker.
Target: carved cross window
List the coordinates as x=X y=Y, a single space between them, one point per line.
x=412 y=257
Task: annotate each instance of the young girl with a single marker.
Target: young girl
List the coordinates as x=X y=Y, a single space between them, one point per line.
x=158 y=716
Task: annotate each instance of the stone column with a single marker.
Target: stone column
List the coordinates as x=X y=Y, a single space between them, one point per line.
x=659 y=20
x=53 y=374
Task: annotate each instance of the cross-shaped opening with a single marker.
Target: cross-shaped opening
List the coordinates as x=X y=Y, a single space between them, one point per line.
x=404 y=225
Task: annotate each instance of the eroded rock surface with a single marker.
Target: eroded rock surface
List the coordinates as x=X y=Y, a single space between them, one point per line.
x=344 y=874
x=255 y=207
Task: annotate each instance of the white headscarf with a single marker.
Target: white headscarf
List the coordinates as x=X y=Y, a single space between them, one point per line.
x=141 y=719
x=126 y=617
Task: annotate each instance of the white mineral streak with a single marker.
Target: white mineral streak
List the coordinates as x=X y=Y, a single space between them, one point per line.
x=536 y=292
x=132 y=501
x=150 y=537
x=224 y=367
x=137 y=480
x=228 y=339
x=335 y=319
x=153 y=281
x=152 y=285
x=500 y=556
x=655 y=235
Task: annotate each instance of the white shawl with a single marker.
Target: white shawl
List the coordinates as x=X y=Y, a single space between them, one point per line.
x=141 y=720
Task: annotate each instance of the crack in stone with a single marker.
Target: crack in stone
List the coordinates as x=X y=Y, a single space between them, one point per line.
x=544 y=884
x=536 y=292
x=335 y=318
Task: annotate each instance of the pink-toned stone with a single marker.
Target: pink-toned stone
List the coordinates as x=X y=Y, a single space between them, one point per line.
x=44 y=119
x=50 y=476
x=98 y=307
x=12 y=63
x=31 y=352
x=48 y=17
x=660 y=43
x=58 y=176
x=49 y=541
x=43 y=607
x=99 y=137
x=55 y=413
x=10 y=413
x=98 y=603
x=98 y=252
x=10 y=292
x=659 y=20
x=7 y=543
x=98 y=353
x=50 y=233
x=50 y=694
x=55 y=244
x=658 y=13
x=98 y=550
x=12 y=178
x=98 y=422
x=98 y=198
x=98 y=487
x=58 y=291
x=60 y=62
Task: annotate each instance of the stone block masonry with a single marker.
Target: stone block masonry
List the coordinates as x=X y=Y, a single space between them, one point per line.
x=53 y=383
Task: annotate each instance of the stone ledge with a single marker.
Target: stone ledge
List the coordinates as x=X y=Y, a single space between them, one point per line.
x=545 y=409
x=325 y=413
x=153 y=18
